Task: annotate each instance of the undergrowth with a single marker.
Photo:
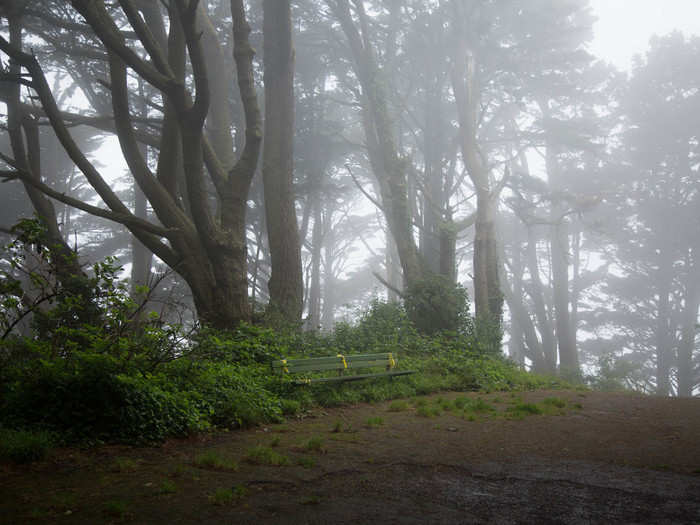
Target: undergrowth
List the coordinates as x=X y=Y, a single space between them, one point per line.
x=114 y=379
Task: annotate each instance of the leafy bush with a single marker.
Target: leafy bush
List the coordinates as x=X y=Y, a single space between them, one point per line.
x=25 y=446
x=92 y=404
x=436 y=304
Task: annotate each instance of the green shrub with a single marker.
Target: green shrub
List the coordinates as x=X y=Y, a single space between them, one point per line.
x=92 y=404
x=436 y=304
x=25 y=446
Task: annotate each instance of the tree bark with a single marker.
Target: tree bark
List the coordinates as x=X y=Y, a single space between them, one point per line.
x=663 y=326
x=687 y=380
x=285 y=285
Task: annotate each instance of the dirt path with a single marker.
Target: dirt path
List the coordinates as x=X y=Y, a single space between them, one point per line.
x=595 y=458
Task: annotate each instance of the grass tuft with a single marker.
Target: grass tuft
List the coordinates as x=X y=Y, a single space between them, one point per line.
x=400 y=405
x=261 y=455
x=213 y=460
x=428 y=411
x=124 y=465
x=315 y=444
x=115 y=508
x=221 y=497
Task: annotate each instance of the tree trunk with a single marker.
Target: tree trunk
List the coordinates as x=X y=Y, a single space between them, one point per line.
x=314 y=320
x=568 y=356
x=488 y=299
x=23 y=132
x=663 y=326
x=544 y=324
x=689 y=327
x=285 y=285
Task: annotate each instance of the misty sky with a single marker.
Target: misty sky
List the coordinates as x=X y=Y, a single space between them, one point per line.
x=625 y=26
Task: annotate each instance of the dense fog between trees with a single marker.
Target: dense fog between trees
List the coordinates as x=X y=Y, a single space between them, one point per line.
x=297 y=160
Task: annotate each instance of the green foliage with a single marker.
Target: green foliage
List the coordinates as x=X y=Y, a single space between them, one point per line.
x=222 y=497
x=436 y=304
x=111 y=380
x=116 y=508
x=315 y=444
x=614 y=374
x=167 y=486
x=261 y=455
x=521 y=409
x=399 y=405
x=214 y=460
x=92 y=403
x=124 y=465
x=306 y=462
x=25 y=446
x=374 y=422
x=428 y=411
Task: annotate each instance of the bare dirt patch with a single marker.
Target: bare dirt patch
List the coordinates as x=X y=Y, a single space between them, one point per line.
x=592 y=458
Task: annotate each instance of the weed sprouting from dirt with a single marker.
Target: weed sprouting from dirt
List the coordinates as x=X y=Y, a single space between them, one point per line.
x=306 y=462
x=315 y=444
x=555 y=402
x=428 y=411
x=399 y=405
x=221 y=497
x=261 y=455
x=214 y=460
x=124 y=465
x=115 y=508
x=167 y=487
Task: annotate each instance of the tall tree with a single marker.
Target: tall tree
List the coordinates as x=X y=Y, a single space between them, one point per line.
x=286 y=285
x=207 y=249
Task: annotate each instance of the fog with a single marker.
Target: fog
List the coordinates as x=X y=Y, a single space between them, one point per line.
x=542 y=155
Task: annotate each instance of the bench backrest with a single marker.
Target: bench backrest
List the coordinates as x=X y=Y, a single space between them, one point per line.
x=338 y=362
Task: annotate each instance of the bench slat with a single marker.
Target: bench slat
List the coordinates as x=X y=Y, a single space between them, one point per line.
x=354 y=377
x=333 y=363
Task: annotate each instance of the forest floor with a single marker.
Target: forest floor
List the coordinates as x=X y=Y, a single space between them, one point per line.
x=594 y=458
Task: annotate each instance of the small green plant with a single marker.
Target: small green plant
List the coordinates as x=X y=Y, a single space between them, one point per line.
x=554 y=402
x=520 y=410
x=178 y=470
x=275 y=441
x=167 y=487
x=213 y=460
x=290 y=407
x=221 y=497
x=261 y=455
x=115 y=508
x=124 y=465
x=337 y=427
x=310 y=500
x=306 y=462
x=240 y=491
x=461 y=402
x=428 y=411
x=420 y=402
x=399 y=405
x=24 y=446
x=445 y=404
x=374 y=422
x=315 y=444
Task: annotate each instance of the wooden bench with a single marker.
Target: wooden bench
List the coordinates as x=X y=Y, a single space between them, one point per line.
x=341 y=363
